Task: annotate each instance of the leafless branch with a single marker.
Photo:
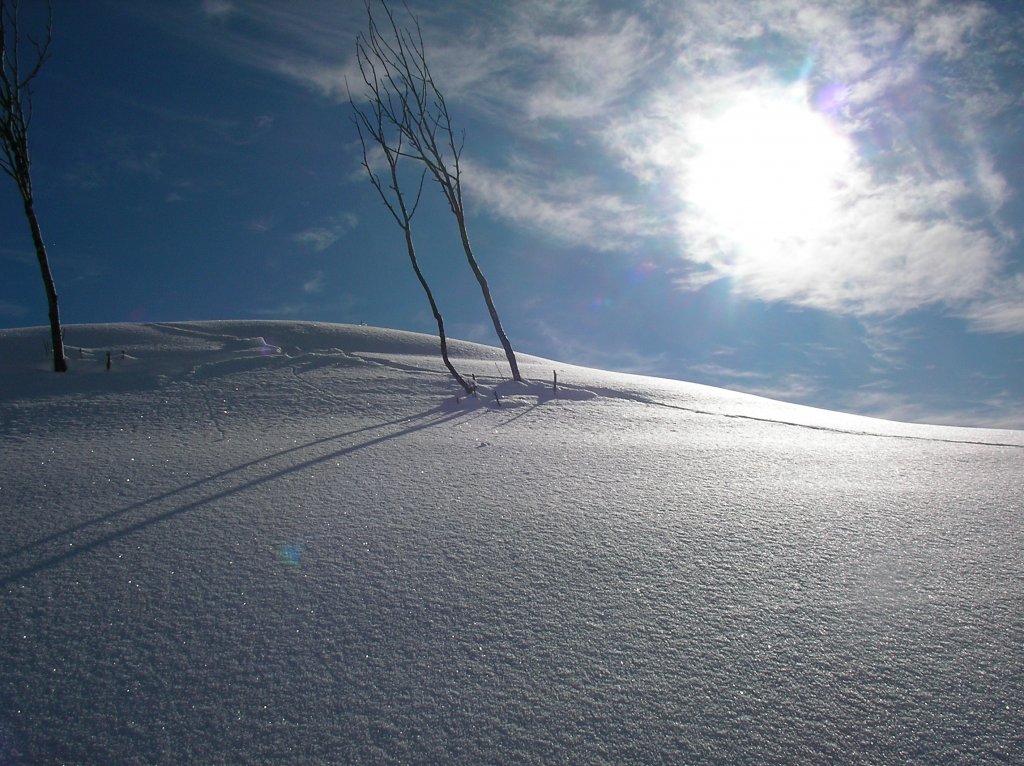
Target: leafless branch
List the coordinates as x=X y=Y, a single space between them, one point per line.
x=405 y=98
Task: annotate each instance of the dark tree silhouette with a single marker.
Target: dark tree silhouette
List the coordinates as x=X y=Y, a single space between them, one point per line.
x=409 y=100
x=15 y=116
x=370 y=123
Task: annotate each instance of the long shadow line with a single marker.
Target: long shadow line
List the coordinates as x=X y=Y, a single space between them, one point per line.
x=198 y=483
x=526 y=411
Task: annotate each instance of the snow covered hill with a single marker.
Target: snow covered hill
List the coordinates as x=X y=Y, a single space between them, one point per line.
x=267 y=542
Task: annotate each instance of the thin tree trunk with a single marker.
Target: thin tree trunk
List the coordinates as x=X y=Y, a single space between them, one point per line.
x=437 y=313
x=56 y=337
x=505 y=344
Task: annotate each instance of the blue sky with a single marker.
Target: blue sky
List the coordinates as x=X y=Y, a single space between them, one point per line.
x=818 y=202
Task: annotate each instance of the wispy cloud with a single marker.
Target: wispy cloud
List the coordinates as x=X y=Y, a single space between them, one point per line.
x=323 y=235
x=289 y=309
x=336 y=305
x=574 y=63
x=218 y=9
x=333 y=80
x=572 y=208
x=260 y=225
x=552 y=341
x=789 y=387
x=1001 y=411
x=319 y=237
x=887 y=343
x=314 y=284
x=1002 y=311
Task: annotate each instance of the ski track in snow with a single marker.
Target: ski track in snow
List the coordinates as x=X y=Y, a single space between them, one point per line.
x=251 y=542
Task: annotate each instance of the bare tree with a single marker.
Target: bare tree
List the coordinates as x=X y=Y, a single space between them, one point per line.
x=410 y=100
x=15 y=116
x=371 y=123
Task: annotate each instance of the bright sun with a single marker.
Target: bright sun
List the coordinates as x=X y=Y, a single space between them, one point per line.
x=766 y=174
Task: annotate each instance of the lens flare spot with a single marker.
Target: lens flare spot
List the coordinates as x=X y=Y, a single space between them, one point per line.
x=831 y=99
x=290 y=554
x=641 y=272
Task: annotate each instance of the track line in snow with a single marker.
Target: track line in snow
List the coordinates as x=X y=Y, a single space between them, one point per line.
x=809 y=426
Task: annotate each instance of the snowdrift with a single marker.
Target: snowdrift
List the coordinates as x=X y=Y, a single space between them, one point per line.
x=257 y=542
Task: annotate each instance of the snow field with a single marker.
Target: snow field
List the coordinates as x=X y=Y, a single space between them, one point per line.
x=258 y=542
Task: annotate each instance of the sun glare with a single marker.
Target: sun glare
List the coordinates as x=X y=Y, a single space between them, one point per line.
x=766 y=174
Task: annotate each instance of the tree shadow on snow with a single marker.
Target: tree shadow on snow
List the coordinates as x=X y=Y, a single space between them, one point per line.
x=72 y=546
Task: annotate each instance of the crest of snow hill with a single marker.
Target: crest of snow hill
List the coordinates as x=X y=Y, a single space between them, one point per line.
x=123 y=357
x=137 y=356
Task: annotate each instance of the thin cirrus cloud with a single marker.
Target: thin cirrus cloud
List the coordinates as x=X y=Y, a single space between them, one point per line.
x=577 y=74
x=792 y=387
x=1002 y=311
x=572 y=209
x=314 y=284
x=518 y=65
x=999 y=411
x=218 y=9
x=321 y=236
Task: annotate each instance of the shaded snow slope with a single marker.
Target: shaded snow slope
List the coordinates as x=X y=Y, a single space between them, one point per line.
x=257 y=542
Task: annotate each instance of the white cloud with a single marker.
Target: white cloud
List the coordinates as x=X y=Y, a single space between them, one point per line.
x=218 y=9
x=888 y=251
x=899 y=238
x=332 y=80
x=322 y=236
x=889 y=246
x=588 y=68
x=947 y=32
x=574 y=209
x=314 y=284
x=318 y=237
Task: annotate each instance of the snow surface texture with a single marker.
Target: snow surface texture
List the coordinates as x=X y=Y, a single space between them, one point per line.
x=269 y=542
